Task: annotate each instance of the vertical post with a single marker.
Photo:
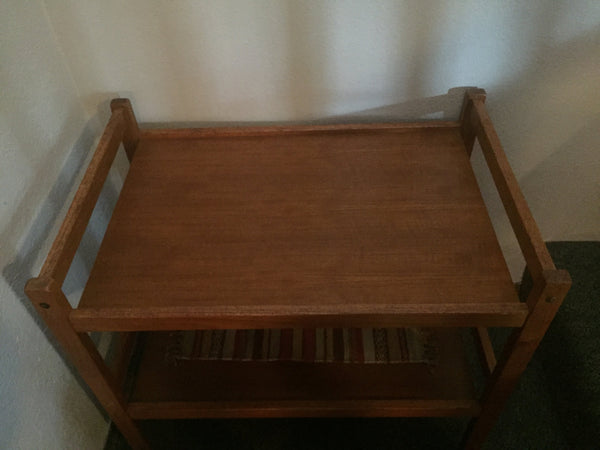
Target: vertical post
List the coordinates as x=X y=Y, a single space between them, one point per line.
x=131 y=136
x=543 y=301
x=486 y=350
x=469 y=122
x=52 y=305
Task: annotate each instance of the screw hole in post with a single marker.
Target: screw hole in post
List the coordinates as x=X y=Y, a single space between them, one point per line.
x=44 y=305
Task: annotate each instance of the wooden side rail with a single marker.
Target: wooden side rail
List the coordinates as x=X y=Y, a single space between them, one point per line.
x=119 y=129
x=45 y=291
x=550 y=286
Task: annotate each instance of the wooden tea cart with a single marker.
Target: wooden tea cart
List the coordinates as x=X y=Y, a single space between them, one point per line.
x=330 y=226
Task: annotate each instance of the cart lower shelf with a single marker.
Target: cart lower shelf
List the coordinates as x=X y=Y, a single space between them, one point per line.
x=197 y=388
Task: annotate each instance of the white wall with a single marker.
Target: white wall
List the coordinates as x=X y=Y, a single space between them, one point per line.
x=44 y=140
x=279 y=60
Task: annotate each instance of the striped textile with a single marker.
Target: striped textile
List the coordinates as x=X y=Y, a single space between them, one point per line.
x=320 y=345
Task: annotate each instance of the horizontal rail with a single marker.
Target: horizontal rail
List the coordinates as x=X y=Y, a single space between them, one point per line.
x=315 y=408
x=274 y=130
x=121 y=128
x=278 y=316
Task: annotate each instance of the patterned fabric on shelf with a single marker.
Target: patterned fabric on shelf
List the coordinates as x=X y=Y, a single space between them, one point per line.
x=313 y=345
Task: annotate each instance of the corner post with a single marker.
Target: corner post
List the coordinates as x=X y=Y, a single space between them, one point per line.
x=54 y=308
x=469 y=122
x=544 y=301
x=131 y=136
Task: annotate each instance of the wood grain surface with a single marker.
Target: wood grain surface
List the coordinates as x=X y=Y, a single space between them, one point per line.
x=327 y=220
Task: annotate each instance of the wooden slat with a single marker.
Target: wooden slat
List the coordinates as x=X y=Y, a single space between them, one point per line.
x=278 y=130
x=73 y=227
x=282 y=316
x=278 y=409
x=528 y=235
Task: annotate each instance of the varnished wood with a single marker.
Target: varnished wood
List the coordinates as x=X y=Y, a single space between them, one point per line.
x=488 y=357
x=131 y=135
x=528 y=235
x=246 y=316
x=282 y=130
x=279 y=409
x=53 y=307
x=546 y=296
x=259 y=389
x=69 y=236
x=391 y=222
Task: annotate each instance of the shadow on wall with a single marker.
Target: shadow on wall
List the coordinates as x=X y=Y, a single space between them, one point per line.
x=550 y=130
x=439 y=107
x=578 y=216
x=547 y=119
x=47 y=220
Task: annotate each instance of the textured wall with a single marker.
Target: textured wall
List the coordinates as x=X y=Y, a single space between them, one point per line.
x=44 y=141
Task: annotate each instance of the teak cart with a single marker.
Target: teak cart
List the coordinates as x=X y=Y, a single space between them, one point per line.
x=359 y=225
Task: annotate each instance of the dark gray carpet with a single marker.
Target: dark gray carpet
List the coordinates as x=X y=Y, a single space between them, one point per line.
x=556 y=405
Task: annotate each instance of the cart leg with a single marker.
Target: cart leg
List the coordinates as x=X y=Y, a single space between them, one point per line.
x=543 y=301
x=52 y=305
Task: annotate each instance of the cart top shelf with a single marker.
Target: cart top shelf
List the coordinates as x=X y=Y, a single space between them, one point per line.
x=361 y=225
